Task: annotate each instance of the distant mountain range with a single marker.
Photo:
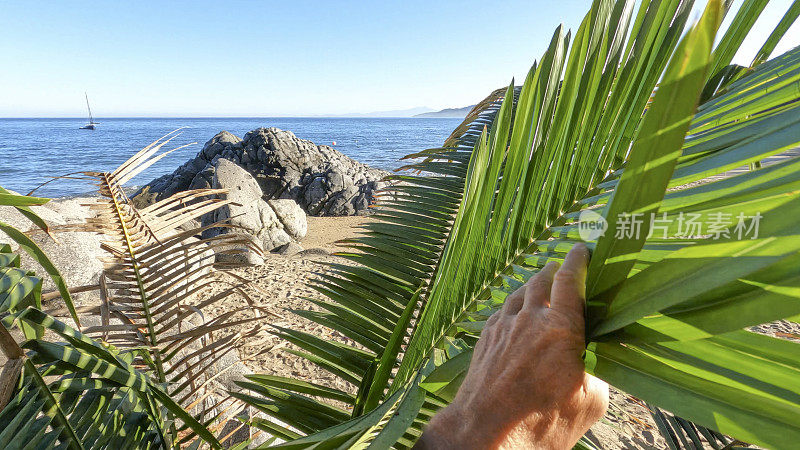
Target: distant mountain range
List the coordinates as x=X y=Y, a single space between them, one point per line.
x=412 y=112
x=454 y=113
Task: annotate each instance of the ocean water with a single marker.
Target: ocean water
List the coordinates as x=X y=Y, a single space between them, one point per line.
x=33 y=151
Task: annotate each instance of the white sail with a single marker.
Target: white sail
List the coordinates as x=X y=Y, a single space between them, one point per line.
x=91 y=124
x=91 y=120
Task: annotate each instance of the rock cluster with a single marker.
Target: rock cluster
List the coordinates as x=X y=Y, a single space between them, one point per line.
x=321 y=180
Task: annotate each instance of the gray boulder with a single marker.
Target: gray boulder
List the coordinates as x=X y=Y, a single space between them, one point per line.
x=11 y=216
x=75 y=254
x=271 y=225
x=321 y=180
x=73 y=210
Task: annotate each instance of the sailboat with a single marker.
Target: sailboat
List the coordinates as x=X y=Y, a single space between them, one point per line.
x=92 y=123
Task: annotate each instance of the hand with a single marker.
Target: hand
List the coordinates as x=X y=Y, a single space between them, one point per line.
x=526 y=386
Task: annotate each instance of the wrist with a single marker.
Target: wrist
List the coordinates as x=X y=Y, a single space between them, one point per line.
x=457 y=428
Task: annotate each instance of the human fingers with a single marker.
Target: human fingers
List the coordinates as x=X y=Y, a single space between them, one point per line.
x=569 y=285
x=514 y=300
x=538 y=293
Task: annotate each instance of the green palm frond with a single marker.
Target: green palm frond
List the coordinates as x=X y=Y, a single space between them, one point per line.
x=97 y=400
x=22 y=204
x=83 y=394
x=680 y=433
x=666 y=315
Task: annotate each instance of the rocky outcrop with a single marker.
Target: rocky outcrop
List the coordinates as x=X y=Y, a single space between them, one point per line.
x=271 y=224
x=320 y=179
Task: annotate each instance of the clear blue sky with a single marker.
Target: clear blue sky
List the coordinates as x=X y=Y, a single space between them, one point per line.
x=275 y=58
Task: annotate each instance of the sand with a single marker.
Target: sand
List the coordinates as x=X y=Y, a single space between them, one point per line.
x=323 y=232
x=282 y=285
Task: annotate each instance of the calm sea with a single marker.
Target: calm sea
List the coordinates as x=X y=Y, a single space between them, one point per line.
x=34 y=150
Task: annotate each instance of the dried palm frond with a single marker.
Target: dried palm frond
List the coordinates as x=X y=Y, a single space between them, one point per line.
x=158 y=280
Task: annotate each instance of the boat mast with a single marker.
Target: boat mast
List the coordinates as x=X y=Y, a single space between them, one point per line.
x=91 y=120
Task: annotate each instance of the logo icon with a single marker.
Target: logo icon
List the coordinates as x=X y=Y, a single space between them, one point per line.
x=591 y=225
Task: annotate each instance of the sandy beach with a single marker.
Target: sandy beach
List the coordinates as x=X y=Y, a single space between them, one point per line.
x=282 y=285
